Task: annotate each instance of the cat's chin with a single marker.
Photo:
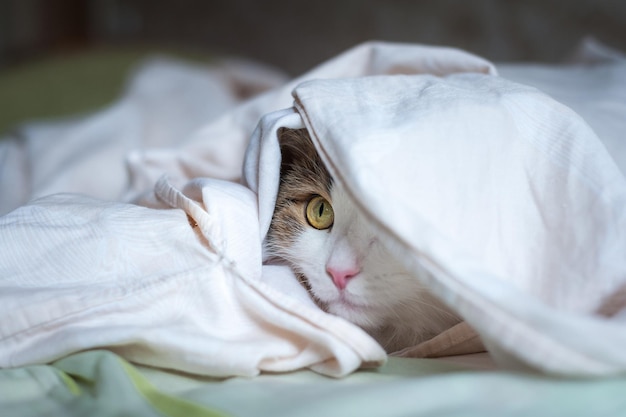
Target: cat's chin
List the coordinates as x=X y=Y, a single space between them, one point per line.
x=360 y=314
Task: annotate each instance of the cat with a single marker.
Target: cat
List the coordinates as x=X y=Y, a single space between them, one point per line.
x=323 y=237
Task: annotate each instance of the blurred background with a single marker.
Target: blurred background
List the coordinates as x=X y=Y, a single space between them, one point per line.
x=294 y=35
x=97 y=41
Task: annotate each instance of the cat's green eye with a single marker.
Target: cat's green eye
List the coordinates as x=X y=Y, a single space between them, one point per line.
x=319 y=213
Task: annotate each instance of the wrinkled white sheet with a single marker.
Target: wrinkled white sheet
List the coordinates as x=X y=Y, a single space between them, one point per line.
x=504 y=196
x=84 y=273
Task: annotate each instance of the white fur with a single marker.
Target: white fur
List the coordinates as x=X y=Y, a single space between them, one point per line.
x=383 y=298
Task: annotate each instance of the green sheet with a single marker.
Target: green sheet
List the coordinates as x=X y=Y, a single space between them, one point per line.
x=99 y=383
x=96 y=383
x=407 y=387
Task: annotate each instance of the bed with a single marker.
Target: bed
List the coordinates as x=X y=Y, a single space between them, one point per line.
x=112 y=304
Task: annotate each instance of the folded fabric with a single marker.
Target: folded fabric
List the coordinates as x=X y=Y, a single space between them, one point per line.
x=502 y=200
x=78 y=273
x=165 y=101
x=96 y=383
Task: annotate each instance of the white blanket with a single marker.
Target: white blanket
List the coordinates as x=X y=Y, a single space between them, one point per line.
x=507 y=199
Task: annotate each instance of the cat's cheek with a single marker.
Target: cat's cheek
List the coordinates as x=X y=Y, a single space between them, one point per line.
x=311 y=243
x=322 y=288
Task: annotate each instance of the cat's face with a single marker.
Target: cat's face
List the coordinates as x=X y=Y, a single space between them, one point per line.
x=318 y=230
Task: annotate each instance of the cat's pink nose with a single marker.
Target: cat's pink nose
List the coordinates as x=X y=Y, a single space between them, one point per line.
x=341 y=276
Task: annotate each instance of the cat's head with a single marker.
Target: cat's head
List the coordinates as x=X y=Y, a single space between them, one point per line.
x=320 y=232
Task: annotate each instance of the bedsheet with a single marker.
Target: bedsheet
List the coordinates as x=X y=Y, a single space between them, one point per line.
x=100 y=383
x=503 y=200
x=122 y=270
x=522 y=325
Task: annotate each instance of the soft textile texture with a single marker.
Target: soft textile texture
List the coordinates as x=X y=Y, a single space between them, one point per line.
x=98 y=383
x=186 y=121
x=506 y=198
x=79 y=273
x=141 y=282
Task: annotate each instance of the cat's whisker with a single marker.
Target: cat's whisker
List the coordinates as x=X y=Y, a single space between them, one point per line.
x=433 y=308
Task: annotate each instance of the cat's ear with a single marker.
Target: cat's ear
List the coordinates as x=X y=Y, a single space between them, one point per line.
x=296 y=149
